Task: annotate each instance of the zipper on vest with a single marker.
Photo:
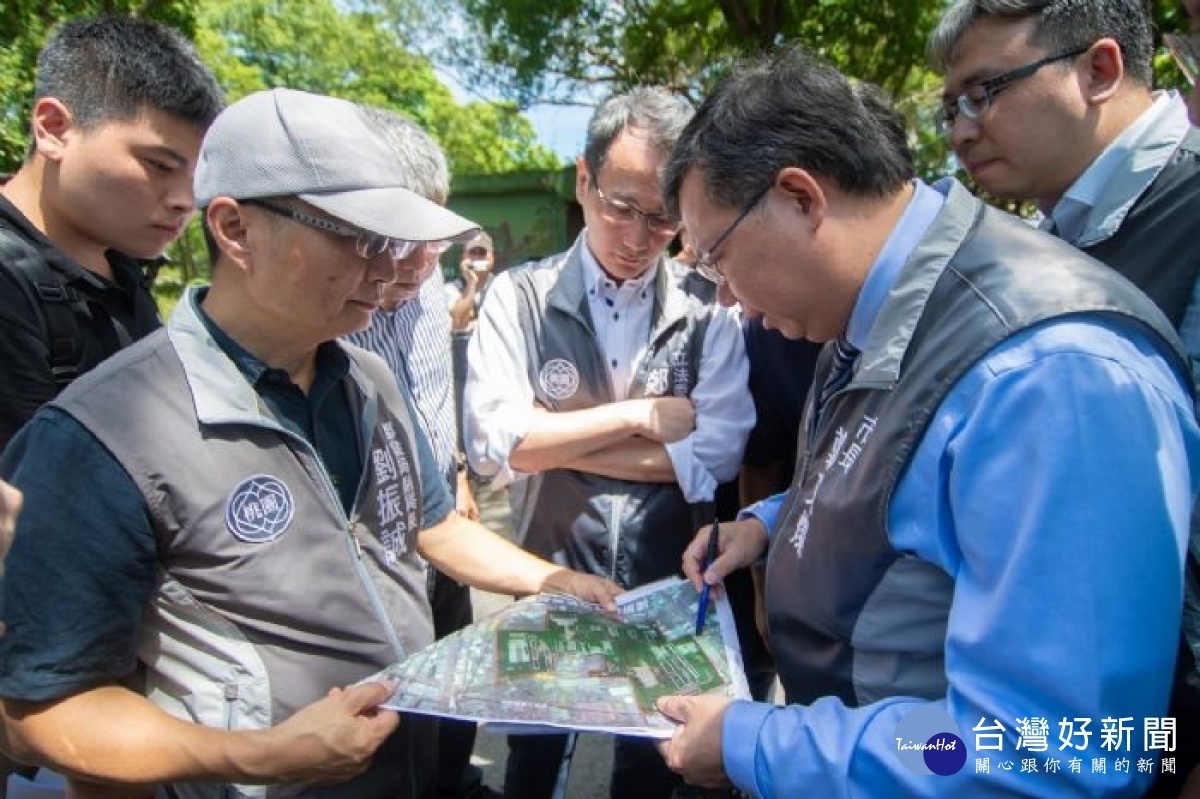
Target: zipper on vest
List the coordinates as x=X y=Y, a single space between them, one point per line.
x=360 y=565
x=614 y=534
x=231 y=696
x=364 y=576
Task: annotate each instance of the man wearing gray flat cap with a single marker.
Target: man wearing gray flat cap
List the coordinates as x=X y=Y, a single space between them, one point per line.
x=257 y=503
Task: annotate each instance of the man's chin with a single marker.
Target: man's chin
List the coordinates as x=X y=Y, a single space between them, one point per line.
x=394 y=298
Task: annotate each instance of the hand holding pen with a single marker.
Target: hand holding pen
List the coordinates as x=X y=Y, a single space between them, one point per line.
x=710 y=554
x=721 y=550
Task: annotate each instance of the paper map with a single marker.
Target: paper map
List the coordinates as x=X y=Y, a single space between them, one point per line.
x=554 y=661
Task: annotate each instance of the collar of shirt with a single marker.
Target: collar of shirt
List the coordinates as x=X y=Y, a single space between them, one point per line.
x=621 y=318
x=127 y=271
x=324 y=417
x=598 y=283
x=922 y=209
x=1101 y=185
x=332 y=363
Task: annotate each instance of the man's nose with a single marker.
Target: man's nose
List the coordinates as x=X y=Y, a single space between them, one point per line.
x=962 y=132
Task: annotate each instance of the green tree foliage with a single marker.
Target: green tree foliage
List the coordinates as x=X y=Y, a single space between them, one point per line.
x=570 y=50
x=560 y=52
x=24 y=25
x=357 y=51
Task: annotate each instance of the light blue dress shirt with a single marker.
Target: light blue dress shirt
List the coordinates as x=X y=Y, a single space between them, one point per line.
x=1054 y=484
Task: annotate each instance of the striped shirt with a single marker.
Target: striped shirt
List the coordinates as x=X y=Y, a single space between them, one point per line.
x=415 y=341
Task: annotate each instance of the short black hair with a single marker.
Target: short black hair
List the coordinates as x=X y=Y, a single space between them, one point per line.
x=790 y=108
x=113 y=67
x=1062 y=26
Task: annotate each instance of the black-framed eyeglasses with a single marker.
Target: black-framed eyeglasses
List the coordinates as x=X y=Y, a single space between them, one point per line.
x=979 y=98
x=1186 y=52
x=367 y=245
x=622 y=213
x=706 y=264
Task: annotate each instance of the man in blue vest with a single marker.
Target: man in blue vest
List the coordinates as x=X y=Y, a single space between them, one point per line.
x=257 y=503
x=980 y=559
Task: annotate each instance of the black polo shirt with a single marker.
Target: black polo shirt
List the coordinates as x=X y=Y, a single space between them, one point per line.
x=119 y=311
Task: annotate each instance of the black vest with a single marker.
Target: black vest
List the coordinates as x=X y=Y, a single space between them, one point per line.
x=1157 y=246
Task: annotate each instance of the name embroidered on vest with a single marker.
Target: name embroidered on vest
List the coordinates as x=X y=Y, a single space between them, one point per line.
x=396 y=498
x=843 y=452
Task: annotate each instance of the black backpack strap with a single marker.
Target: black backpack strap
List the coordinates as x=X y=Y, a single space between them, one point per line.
x=54 y=302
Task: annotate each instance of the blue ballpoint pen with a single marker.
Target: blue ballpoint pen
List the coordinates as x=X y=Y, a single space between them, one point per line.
x=709 y=556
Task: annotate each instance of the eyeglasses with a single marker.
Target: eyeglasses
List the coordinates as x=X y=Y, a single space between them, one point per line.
x=979 y=98
x=622 y=213
x=707 y=265
x=368 y=245
x=1186 y=52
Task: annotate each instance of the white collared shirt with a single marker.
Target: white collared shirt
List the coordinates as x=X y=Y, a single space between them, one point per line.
x=498 y=405
x=621 y=315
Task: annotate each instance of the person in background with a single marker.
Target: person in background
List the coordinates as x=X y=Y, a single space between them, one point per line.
x=607 y=391
x=962 y=550
x=466 y=293
x=411 y=332
x=258 y=504
x=10 y=508
x=120 y=106
x=1052 y=101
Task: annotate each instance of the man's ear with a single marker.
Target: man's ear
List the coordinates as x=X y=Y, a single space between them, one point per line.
x=52 y=124
x=226 y=221
x=582 y=176
x=804 y=194
x=1103 y=69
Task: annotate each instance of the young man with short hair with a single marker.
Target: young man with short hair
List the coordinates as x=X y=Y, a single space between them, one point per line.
x=120 y=107
x=1053 y=101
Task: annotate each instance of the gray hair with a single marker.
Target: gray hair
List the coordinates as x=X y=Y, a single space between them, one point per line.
x=420 y=157
x=1062 y=26
x=790 y=109
x=652 y=110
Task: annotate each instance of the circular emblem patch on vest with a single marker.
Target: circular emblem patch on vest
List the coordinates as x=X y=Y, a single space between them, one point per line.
x=559 y=378
x=259 y=509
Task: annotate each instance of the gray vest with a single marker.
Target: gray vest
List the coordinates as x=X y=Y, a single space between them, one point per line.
x=631 y=532
x=268 y=595
x=850 y=616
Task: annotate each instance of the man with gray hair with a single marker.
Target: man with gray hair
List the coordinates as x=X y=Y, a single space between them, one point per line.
x=410 y=330
x=607 y=390
x=257 y=503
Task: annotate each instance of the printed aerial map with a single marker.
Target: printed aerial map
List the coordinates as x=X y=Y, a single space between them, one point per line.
x=553 y=661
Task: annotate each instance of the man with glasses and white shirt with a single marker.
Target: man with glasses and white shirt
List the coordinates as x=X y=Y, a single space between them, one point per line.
x=609 y=392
